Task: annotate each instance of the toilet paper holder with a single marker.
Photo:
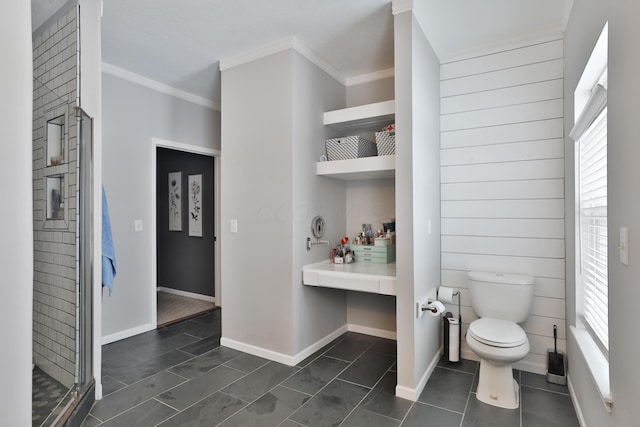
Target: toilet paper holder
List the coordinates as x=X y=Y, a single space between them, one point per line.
x=433 y=309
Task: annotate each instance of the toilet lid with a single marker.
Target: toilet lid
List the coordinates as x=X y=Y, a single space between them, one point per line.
x=497 y=332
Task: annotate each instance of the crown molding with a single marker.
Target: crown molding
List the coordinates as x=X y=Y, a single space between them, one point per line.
x=401 y=6
x=159 y=87
x=370 y=77
x=280 y=46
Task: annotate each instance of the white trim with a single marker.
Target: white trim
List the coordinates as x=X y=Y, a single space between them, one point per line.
x=380 y=333
x=281 y=357
x=165 y=143
x=157 y=86
x=597 y=364
x=401 y=6
x=576 y=403
x=370 y=77
x=187 y=294
x=280 y=46
x=492 y=48
x=414 y=393
x=117 y=336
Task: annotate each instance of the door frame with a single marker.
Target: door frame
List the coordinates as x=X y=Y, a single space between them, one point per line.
x=188 y=148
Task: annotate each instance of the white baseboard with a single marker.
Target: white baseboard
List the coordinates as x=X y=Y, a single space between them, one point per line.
x=108 y=339
x=575 y=402
x=380 y=333
x=187 y=294
x=281 y=357
x=414 y=393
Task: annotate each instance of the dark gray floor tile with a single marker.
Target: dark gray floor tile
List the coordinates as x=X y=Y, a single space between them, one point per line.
x=176 y=329
x=149 y=367
x=246 y=362
x=109 y=385
x=202 y=346
x=134 y=394
x=386 y=346
x=149 y=413
x=113 y=362
x=479 y=414
x=318 y=353
x=208 y=412
x=540 y=381
x=260 y=381
x=331 y=405
x=151 y=350
x=447 y=389
x=269 y=410
x=468 y=366
x=360 y=418
x=210 y=318
x=351 y=346
x=382 y=399
x=289 y=423
x=368 y=368
x=316 y=375
x=202 y=330
x=204 y=362
x=422 y=415
x=90 y=421
x=546 y=409
x=198 y=388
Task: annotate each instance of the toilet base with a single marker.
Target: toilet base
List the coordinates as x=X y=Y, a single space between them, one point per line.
x=497 y=387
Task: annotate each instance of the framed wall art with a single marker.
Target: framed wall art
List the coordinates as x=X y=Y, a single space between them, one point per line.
x=175 y=201
x=195 y=205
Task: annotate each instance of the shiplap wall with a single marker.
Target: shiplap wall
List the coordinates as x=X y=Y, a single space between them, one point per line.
x=502 y=175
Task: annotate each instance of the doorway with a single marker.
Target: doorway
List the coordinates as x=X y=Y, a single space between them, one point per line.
x=185 y=231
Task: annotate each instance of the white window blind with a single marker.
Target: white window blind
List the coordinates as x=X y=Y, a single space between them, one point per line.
x=593 y=226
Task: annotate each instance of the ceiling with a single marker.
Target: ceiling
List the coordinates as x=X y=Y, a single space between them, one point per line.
x=180 y=42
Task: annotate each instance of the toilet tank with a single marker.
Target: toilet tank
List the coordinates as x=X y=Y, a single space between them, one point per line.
x=501 y=296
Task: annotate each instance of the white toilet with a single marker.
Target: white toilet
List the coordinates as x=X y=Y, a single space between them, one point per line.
x=501 y=301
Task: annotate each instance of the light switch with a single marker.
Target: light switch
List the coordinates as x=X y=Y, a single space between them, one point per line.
x=234 y=226
x=624 y=245
x=137 y=225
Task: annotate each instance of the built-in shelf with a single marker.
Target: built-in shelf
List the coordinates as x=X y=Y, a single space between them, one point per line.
x=361 y=118
x=377 y=167
x=359 y=276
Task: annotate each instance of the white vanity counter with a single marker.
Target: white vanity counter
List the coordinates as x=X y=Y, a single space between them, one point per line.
x=359 y=276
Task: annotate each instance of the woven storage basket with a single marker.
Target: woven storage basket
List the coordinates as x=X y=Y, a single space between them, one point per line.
x=386 y=142
x=349 y=147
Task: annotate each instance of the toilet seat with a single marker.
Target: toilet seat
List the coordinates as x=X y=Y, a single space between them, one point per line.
x=497 y=332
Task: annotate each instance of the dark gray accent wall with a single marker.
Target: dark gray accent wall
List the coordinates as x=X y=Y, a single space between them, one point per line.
x=185 y=263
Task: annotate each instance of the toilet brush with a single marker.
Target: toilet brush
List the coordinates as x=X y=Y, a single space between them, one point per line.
x=556 y=362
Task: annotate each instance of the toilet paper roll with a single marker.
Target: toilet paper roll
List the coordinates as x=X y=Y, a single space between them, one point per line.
x=454 y=340
x=445 y=294
x=439 y=308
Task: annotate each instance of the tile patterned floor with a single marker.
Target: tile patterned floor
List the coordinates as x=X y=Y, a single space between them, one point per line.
x=47 y=396
x=180 y=376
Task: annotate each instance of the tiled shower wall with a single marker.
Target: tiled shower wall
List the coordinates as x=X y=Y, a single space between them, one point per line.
x=55 y=72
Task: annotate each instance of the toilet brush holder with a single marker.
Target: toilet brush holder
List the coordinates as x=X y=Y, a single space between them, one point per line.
x=452 y=335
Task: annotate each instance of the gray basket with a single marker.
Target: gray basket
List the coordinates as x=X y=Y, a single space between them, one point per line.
x=349 y=147
x=386 y=142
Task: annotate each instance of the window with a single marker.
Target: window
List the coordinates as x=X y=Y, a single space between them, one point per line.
x=592 y=160
x=590 y=134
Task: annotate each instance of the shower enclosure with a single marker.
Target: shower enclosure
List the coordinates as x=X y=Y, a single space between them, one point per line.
x=63 y=225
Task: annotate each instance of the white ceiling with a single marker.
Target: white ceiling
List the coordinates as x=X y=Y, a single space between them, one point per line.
x=180 y=42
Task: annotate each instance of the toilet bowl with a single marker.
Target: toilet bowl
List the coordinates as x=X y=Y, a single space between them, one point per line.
x=496 y=338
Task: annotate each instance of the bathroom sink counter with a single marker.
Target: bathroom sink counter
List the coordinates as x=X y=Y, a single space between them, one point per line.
x=359 y=276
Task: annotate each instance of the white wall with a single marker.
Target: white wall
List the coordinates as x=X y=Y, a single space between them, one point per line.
x=502 y=171
x=317 y=312
x=272 y=135
x=584 y=27
x=417 y=201
x=133 y=114
x=16 y=255
x=369 y=92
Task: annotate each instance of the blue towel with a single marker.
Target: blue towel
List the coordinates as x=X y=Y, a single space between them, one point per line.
x=108 y=251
